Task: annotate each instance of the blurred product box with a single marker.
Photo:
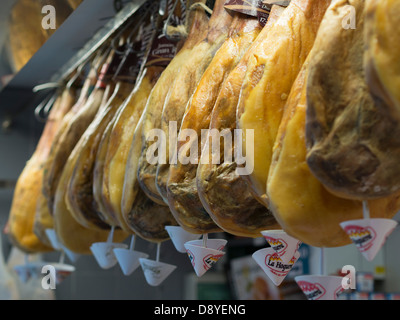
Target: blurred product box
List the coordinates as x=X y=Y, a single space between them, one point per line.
x=359 y=296
x=365 y=282
x=377 y=296
x=393 y=296
x=344 y=296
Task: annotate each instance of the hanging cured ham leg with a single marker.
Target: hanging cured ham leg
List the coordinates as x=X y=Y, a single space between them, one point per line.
x=299 y=202
x=65 y=224
x=263 y=96
x=152 y=117
x=74 y=124
x=148 y=218
x=223 y=193
x=28 y=190
x=79 y=196
x=184 y=85
x=353 y=142
x=382 y=60
x=182 y=194
x=118 y=145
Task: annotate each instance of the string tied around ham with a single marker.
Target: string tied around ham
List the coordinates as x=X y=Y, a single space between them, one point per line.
x=201 y=5
x=180 y=31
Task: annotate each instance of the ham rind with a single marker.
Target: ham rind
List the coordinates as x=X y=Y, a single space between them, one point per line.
x=154 y=108
x=223 y=192
x=28 y=190
x=271 y=71
x=182 y=193
x=183 y=87
x=79 y=194
x=382 y=25
x=353 y=141
x=304 y=208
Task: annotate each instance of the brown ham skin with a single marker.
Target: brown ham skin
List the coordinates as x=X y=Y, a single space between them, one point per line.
x=154 y=109
x=184 y=86
x=182 y=194
x=141 y=215
x=74 y=124
x=144 y=216
x=304 y=208
x=148 y=219
x=352 y=141
x=263 y=97
x=65 y=224
x=382 y=65
x=116 y=147
x=28 y=190
x=79 y=197
x=223 y=193
x=98 y=175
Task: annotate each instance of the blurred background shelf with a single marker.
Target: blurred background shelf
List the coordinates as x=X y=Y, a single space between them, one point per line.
x=84 y=30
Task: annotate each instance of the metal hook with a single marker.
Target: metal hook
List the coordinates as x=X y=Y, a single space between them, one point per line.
x=175 y=36
x=43 y=109
x=101 y=55
x=76 y=76
x=90 y=59
x=50 y=104
x=44 y=86
x=115 y=47
x=139 y=24
x=129 y=43
x=119 y=4
x=126 y=54
x=39 y=109
x=118 y=36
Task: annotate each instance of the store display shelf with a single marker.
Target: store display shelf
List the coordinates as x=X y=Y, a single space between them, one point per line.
x=84 y=31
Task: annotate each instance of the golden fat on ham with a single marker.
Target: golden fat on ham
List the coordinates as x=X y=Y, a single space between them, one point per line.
x=153 y=112
x=222 y=191
x=382 y=25
x=28 y=190
x=117 y=148
x=182 y=192
x=183 y=87
x=353 y=142
x=304 y=208
x=271 y=71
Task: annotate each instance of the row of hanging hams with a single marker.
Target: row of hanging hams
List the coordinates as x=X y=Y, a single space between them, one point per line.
x=312 y=92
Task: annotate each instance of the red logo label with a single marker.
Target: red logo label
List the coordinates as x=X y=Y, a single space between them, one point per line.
x=313 y=291
x=210 y=259
x=362 y=237
x=191 y=256
x=276 y=265
x=279 y=245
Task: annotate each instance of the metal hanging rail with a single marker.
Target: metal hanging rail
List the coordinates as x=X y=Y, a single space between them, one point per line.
x=98 y=39
x=84 y=31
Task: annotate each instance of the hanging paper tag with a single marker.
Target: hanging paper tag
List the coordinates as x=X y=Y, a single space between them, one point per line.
x=126 y=66
x=131 y=65
x=254 y=8
x=163 y=49
x=116 y=62
x=101 y=82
